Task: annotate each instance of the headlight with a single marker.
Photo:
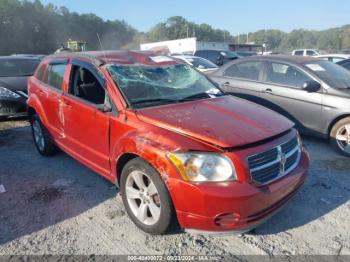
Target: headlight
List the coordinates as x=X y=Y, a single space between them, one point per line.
x=201 y=167
x=4 y=92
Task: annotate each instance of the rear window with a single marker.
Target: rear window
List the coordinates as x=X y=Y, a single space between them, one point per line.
x=18 y=67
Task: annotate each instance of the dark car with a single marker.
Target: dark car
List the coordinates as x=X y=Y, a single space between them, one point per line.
x=312 y=92
x=218 y=57
x=14 y=73
x=345 y=63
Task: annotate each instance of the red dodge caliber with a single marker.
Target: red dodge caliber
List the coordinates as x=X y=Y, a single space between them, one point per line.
x=175 y=144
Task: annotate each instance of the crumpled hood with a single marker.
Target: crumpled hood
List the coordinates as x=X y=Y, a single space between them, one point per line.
x=18 y=83
x=225 y=122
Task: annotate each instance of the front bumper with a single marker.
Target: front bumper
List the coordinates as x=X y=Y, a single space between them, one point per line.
x=13 y=107
x=235 y=206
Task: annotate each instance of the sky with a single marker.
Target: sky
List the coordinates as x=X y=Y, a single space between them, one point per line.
x=236 y=16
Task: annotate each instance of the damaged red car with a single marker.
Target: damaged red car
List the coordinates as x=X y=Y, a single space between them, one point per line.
x=179 y=148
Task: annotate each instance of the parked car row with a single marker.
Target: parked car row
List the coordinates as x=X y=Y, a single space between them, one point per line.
x=313 y=93
x=166 y=133
x=14 y=73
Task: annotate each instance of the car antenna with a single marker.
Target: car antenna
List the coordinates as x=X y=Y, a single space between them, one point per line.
x=99 y=40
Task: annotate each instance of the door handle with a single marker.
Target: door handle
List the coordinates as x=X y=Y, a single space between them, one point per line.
x=268 y=91
x=41 y=92
x=226 y=84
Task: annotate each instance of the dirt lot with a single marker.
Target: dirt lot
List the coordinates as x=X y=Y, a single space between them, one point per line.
x=57 y=206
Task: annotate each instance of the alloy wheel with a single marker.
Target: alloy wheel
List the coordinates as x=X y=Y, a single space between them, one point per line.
x=343 y=138
x=143 y=198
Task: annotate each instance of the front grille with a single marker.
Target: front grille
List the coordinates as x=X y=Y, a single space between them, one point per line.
x=275 y=163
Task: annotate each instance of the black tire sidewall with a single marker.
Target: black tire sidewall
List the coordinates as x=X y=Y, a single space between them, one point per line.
x=49 y=147
x=167 y=210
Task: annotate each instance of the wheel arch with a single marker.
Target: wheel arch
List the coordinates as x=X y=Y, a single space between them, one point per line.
x=334 y=121
x=121 y=162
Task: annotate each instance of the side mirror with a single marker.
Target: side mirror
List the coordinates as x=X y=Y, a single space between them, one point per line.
x=311 y=86
x=201 y=67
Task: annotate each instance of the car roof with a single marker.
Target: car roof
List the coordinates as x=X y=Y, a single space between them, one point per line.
x=18 y=58
x=123 y=57
x=284 y=58
x=186 y=56
x=337 y=55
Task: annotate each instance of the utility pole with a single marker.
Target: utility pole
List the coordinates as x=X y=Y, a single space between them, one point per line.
x=247 y=38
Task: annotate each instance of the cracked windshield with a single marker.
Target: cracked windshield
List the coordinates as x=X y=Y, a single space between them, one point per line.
x=149 y=85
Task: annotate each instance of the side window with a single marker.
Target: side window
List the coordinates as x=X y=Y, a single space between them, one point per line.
x=84 y=84
x=310 y=53
x=55 y=75
x=283 y=74
x=300 y=52
x=247 y=70
x=41 y=72
x=213 y=56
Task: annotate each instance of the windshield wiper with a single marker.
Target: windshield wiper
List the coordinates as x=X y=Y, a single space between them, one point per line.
x=154 y=100
x=199 y=96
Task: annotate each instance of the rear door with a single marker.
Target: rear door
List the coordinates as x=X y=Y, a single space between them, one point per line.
x=284 y=94
x=86 y=127
x=50 y=93
x=243 y=80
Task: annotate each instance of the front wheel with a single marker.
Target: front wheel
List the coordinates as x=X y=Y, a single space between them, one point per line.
x=340 y=136
x=146 y=198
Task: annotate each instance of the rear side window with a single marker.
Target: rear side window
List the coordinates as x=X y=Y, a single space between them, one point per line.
x=283 y=74
x=299 y=52
x=55 y=75
x=41 y=72
x=247 y=70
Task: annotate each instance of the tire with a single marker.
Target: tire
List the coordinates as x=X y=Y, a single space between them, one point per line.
x=42 y=138
x=141 y=207
x=340 y=136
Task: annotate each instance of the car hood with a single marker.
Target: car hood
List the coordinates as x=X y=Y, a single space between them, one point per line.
x=224 y=122
x=18 y=83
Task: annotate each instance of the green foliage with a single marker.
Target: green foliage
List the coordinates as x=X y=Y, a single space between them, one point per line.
x=30 y=27
x=276 y=40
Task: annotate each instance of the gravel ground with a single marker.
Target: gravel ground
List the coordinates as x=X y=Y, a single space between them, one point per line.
x=57 y=206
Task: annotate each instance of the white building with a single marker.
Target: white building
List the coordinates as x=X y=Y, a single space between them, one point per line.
x=183 y=46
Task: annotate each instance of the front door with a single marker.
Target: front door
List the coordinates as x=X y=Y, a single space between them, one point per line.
x=86 y=127
x=284 y=94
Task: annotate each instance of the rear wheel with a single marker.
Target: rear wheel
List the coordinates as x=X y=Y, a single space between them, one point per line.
x=340 y=136
x=41 y=137
x=146 y=198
